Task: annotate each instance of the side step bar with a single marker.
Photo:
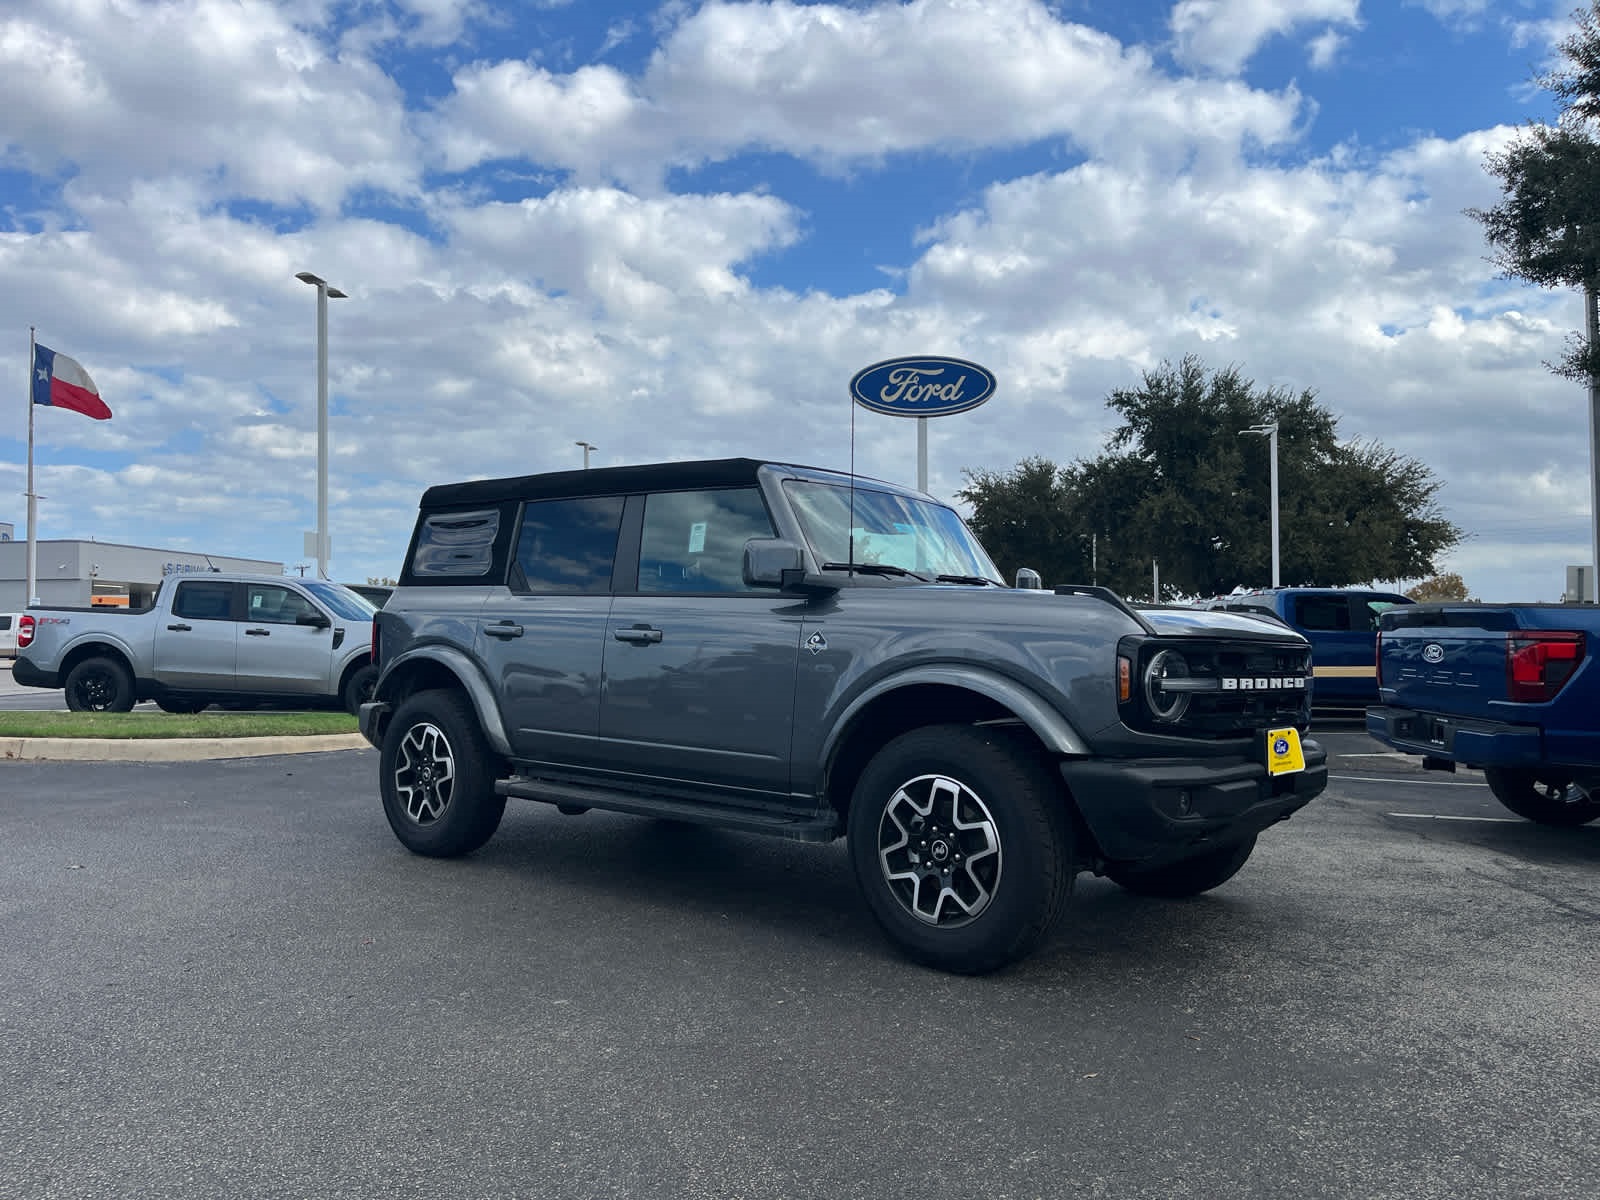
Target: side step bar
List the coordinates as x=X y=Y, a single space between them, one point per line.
x=818 y=828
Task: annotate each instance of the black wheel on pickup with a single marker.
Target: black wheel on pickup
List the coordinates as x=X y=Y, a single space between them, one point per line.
x=1187 y=877
x=437 y=776
x=358 y=688
x=1542 y=796
x=99 y=685
x=961 y=844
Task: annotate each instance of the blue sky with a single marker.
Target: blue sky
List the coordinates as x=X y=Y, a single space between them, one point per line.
x=677 y=230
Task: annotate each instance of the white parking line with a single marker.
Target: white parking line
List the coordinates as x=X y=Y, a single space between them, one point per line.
x=1444 y=817
x=1393 y=779
x=1376 y=754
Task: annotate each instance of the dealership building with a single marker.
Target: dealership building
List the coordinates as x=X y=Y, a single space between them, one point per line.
x=77 y=574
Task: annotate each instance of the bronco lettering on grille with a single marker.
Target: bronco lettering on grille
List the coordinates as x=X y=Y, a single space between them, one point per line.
x=1272 y=683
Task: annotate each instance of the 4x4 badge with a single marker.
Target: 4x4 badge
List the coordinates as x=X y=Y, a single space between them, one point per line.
x=816 y=643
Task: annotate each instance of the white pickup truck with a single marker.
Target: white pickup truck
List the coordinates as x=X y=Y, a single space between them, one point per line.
x=206 y=639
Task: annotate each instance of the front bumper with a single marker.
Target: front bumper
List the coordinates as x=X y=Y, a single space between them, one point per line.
x=1473 y=742
x=1152 y=811
x=25 y=673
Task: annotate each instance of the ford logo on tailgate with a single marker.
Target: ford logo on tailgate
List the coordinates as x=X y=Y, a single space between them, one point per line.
x=922 y=387
x=1433 y=653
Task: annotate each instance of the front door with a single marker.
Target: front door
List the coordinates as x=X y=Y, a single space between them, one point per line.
x=278 y=654
x=700 y=668
x=196 y=644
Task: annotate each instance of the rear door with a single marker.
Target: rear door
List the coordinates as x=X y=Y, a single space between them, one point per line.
x=540 y=636
x=1343 y=628
x=196 y=640
x=700 y=668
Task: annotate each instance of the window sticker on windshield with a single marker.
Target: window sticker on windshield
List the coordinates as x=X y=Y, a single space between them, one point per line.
x=697 y=538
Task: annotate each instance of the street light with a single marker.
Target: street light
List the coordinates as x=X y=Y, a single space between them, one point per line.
x=325 y=292
x=1270 y=430
x=586 y=449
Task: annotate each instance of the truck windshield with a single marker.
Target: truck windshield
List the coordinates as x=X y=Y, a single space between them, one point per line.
x=883 y=529
x=346 y=605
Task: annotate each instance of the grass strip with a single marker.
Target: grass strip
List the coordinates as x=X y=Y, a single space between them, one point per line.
x=173 y=725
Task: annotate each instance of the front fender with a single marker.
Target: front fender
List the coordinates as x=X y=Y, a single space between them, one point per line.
x=1048 y=725
x=429 y=659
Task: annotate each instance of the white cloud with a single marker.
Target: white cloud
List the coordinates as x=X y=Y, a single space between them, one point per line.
x=1222 y=35
x=842 y=86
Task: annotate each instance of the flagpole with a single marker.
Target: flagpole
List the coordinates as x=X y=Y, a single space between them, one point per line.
x=33 y=545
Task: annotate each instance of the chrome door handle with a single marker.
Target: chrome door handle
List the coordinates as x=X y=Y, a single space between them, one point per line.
x=505 y=629
x=258 y=633
x=639 y=635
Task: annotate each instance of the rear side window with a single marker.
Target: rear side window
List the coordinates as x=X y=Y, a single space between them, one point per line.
x=5 y=621
x=567 y=545
x=198 y=600
x=459 y=544
x=1322 y=613
x=694 y=541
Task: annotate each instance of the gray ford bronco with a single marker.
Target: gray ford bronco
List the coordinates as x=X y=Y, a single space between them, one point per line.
x=792 y=651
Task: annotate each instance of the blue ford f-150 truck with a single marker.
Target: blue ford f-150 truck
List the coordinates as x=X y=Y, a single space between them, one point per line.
x=1512 y=689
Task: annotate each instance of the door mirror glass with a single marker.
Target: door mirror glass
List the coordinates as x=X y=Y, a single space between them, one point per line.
x=1029 y=580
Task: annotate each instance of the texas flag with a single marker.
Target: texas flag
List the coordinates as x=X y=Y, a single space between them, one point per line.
x=61 y=382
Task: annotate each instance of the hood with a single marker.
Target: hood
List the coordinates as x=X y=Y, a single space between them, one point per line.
x=1190 y=622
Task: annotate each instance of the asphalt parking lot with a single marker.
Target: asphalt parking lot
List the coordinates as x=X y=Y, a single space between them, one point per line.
x=227 y=978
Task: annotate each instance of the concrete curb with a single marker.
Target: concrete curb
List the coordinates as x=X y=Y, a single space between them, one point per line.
x=171 y=749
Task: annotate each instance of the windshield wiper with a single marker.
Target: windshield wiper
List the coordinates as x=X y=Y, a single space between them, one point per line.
x=874 y=569
x=974 y=580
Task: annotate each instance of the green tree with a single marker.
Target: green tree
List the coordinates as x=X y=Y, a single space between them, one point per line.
x=1448 y=586
x=1178 y=485
x=1545 y=230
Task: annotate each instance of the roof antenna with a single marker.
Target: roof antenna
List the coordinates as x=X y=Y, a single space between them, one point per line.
x=210 y=566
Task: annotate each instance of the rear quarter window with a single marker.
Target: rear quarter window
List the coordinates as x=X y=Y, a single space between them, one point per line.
x=469 y=546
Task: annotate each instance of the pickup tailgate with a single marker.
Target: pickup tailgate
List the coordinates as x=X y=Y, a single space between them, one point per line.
x=1495 y=662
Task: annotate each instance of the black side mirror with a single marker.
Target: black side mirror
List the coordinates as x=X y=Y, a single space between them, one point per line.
x=772 y=562
x=315 y=619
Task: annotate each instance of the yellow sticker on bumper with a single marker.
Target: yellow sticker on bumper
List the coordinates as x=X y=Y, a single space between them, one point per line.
x=1284 y=756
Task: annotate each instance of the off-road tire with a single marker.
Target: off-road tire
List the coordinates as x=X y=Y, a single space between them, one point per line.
x=995 y=868
x=99 y=684
x=437 y=775
x=1187 y=877
x=1546 y=797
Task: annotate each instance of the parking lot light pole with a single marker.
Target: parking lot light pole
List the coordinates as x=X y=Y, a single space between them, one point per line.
x=325 y=292
x=1270 y=430
x=586 y=449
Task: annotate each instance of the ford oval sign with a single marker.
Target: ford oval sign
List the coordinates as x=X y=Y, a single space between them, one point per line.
x=922 y=387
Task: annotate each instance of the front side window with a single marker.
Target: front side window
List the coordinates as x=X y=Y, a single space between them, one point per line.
x=203 y=601
x=858 y=525
x=567 y=545
x=694 y=541
x=269 y=604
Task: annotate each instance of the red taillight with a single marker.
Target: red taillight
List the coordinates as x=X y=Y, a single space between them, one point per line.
x=1539 y=662
x=25 y=632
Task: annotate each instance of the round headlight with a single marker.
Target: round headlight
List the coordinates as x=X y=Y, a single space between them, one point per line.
x=1164 y=705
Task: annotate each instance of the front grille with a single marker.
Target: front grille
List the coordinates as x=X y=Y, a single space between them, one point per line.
x=1218 y=689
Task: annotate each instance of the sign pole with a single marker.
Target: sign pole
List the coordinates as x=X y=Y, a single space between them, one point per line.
x=922 y=454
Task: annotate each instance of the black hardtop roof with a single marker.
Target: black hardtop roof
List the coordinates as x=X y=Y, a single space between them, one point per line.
x=608 y=481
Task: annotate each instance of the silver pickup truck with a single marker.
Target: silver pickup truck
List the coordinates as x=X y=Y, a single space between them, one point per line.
x=206 y=639
x=784 y=650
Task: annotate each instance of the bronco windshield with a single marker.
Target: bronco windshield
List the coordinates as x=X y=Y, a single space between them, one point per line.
x=882 y=529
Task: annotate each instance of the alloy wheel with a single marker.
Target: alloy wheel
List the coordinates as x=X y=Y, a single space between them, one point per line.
x=425 y=773
x=939 y=849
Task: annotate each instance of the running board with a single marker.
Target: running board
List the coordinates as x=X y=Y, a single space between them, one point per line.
x=807 y=828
